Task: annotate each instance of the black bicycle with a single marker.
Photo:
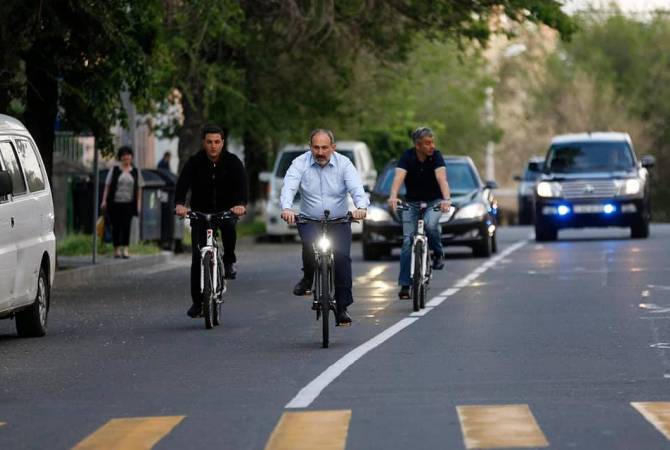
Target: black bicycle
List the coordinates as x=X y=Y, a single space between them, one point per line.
x=212 y=281
x=324 y=287
x=420 y=269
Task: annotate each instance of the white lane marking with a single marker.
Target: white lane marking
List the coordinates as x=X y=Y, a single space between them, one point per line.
x=422 y=312
x=309 y=393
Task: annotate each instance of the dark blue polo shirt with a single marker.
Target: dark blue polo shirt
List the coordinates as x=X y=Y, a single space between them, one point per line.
x=420 y=181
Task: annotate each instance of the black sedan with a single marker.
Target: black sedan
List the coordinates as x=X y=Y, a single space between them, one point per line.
x=473 y=224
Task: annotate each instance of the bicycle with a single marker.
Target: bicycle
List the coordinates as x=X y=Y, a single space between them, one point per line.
x=212 y=282
x=421 y=272
x=324 y=288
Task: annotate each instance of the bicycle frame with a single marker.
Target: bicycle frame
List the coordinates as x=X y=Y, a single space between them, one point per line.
x=420 y=236
x=211 y=246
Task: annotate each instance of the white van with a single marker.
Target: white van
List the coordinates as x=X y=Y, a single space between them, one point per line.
x=27 y=239
x=359 y=154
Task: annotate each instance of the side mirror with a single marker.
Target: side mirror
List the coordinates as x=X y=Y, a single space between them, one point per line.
x=648 y=161
x=6 y=185
x=517 y=177
x=491 y=185
x=265 y=177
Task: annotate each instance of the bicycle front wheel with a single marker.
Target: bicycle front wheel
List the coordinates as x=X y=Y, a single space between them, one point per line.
x=207 y=291
x=416 y=276
x=324 y=300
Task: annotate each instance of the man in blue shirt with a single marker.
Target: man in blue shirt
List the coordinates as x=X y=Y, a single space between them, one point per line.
x=324 y=177
x=424 y=173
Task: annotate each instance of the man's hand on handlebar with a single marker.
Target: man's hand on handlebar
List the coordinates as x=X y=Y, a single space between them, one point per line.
x=359 y=214
x=239 y=210
x=288 y=215
x=393 y=202
x=445 y=205
x=181 y=210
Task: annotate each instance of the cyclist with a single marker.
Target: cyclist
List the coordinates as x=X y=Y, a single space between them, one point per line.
x=424 y=173
x=324 y=177
x=218 y=182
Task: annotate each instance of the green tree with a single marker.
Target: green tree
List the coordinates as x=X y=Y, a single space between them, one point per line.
x=77 y=56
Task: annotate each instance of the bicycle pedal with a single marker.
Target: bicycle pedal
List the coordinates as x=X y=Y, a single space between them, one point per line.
x=315 y=306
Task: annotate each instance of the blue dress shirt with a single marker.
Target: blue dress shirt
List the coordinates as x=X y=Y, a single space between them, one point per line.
x=323 y=188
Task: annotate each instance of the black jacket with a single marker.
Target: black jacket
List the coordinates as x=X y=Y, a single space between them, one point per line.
x=214 y=187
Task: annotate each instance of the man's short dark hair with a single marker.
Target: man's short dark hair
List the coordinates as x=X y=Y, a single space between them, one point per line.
x=125 y=150
x=212 y=129
x=325 y=131
x=421 y=133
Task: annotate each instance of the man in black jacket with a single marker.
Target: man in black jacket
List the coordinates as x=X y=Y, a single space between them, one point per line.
x=218 y=182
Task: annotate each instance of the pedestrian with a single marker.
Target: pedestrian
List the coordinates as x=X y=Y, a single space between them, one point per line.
x=324 y=178
x=164 y=163
x=122 y=199
x=218 y=182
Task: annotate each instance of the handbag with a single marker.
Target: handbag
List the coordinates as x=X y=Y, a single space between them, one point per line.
x=100 y=227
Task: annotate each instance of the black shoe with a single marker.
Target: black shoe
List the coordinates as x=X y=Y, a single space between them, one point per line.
x=343 y=318
x=404 y=293
x=229 y=272
x=304 y=287
x=438 y=264
x=194 y=311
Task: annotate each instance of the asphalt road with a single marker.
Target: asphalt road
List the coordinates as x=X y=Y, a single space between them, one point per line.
x=561 y=345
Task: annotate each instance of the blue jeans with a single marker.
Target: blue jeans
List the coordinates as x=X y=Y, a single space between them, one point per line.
x=431 y=226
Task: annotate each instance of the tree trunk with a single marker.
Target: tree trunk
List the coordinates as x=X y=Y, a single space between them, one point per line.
x=255 y=161
x=189 y=133
x=41 y=108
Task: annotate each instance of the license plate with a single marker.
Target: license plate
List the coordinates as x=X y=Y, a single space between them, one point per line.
x=588 y=209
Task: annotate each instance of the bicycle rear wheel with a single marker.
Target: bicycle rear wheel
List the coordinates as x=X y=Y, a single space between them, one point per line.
x=207 y=291
x=416 y=276
x=324 y=300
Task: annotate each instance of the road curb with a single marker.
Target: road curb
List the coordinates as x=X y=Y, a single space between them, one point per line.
x=107 y=268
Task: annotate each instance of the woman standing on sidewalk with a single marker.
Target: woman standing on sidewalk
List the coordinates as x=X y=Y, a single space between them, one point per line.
x=121 y=199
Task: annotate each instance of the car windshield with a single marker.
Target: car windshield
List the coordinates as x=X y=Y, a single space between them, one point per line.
x=462 y=179
x=589 y=157
x=288 y=157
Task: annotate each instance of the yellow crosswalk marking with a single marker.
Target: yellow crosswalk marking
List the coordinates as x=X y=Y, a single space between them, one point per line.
x=135 y=433
x=311 y=430
x=657 y=413
x=500 y=426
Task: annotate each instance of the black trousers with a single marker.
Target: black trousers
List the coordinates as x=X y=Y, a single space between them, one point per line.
x=340 y=237
x=199 y=239
x=121 y=215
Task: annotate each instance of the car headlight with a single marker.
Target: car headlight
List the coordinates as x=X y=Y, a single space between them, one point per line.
x=632 y=186
x=548 y=189
x=324 y=244
x=471 y=211
x=377 y=214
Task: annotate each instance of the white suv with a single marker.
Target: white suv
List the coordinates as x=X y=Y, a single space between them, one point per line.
x=27 y=239
x=359 y=154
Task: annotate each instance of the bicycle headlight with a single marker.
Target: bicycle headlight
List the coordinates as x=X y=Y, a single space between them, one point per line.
x=377 y=214
x=324 y=244
x=471 y=211
x=548 y=189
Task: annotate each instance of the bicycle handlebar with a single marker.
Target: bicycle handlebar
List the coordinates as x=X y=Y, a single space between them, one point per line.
x=348 y=218
x=223 y=215
x=404 y=206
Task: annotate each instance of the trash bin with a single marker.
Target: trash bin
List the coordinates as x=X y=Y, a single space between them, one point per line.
x=82 y=203
x=153 y=197
x=171 y=227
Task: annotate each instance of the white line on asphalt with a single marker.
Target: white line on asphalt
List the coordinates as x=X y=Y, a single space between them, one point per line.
x=310 y=392
x=422 y=312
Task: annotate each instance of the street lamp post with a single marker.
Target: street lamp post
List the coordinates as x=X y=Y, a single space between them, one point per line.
x=490 y=147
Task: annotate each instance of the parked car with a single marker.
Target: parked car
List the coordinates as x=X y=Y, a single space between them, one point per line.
x=27 y=239
x=473 y=224
x=593 y=180
x=526 y=190
x=357 y=152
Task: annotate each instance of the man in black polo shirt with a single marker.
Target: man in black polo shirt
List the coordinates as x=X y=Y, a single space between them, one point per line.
x=218 y=182
x=424 y=173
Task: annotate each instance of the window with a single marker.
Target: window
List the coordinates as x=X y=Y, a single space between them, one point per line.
x=31 y=165
x=12 y=166
x=590 y=157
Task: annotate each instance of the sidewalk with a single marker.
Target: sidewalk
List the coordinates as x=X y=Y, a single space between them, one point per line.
x=77 y=270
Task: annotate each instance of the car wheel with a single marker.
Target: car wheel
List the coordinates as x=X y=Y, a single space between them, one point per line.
x=494 y=243
x=32 y=321
x=484 y=247
x=545 y=233
x=640 y=230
